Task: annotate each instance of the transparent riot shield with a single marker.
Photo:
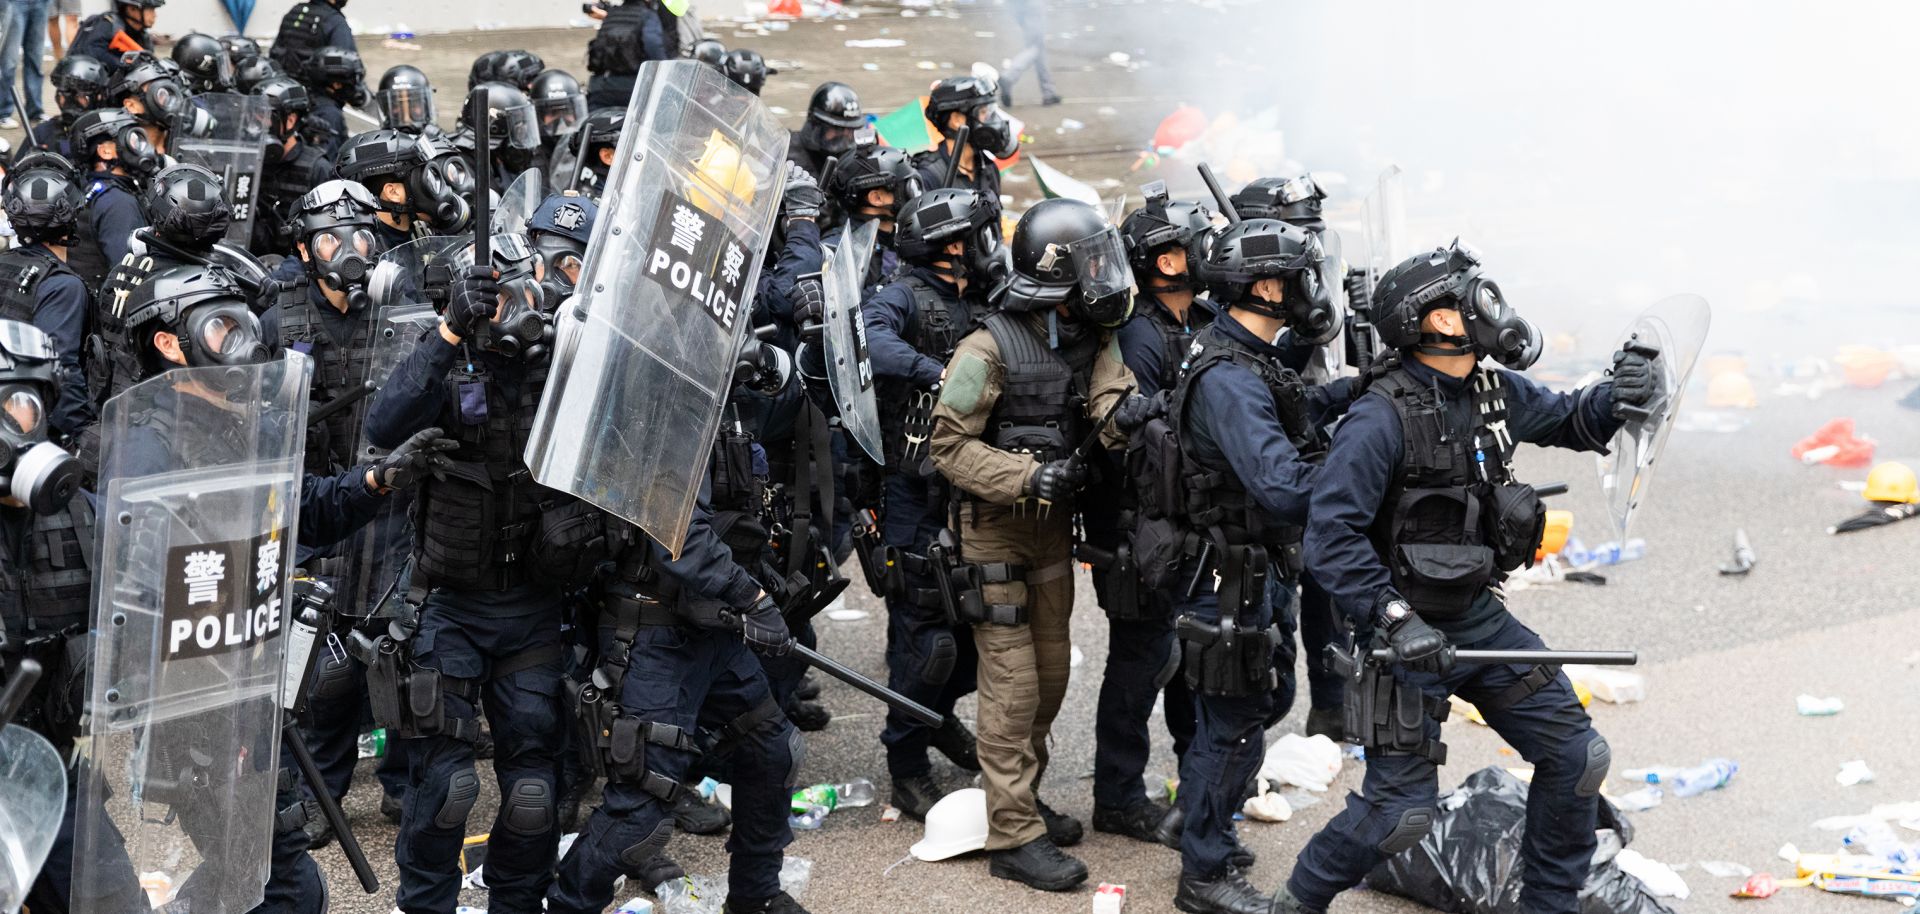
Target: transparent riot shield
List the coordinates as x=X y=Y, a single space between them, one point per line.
x=200 y=497
x=518 y=202
x=33 y=798
x=1676 y=327
x=848 y=371
x=1386 y=219
x=398 y=278
x=644 y=356
x=233 y=147
x=1330 y=360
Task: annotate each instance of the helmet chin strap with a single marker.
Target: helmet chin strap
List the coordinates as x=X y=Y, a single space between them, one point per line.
x=1432 y=344
x=1262 y=307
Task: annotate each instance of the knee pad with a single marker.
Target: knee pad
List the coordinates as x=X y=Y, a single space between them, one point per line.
x=637 y=854
x=796 y=758
x=463 y=788
x=941 y=653
x=1168 y=669
x=527 y=809
x=1413 y=825
x=1599 y=759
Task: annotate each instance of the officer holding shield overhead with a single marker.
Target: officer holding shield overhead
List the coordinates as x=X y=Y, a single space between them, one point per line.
x=1415 y=522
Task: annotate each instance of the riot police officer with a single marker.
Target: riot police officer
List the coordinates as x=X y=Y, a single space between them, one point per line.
x=945 y=237
x=1140 y=654
x=106 y=36
x=747 y=69
x=560 y=230
x=560 y=106
x=42 y=199
x=488 y=627
x=308 y=27
x=871 y=183
x=115 y=157
x=513 y=133
x=602 y=134
x=80 y=83
x=148 y=90
x=1414 y=524
x=406 y=100
x=711 y=52
x=293 y=165
x=517 y=68
x=1242 y=421
x=1017 y=405
x=628 y=37
x=334 y=77
x=833 y=114
x=384 y=161
x=204 y=63
x=967 y=101
x=250 y=73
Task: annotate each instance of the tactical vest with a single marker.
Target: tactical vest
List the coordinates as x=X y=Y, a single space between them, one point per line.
x=56 y=589
x=1175 y=339
x=739 y=500
x=112 y=364
x=474 y=529
x=281 y=186
x=22 y=270
x=1217 y=504
x=618 y=48
x=1042 y=409
x=85 y=256
x=339 y=366
x=937 y=325
x=1451 y=521
x=303 y=32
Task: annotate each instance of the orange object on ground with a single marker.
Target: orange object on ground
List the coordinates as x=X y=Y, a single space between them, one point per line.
x=784 y=8
x=1849 y=449
x=1865 y=366
x=1553 y=537
x=1183 y=126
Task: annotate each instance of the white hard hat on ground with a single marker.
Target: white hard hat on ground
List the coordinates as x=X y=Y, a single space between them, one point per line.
x=955 y=825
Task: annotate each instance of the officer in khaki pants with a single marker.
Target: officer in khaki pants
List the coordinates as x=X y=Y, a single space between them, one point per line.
x=1020 y=395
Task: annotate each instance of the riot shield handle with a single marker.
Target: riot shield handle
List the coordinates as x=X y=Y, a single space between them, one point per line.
x=1219 y=195
x=1628 y=411
x=19 y=686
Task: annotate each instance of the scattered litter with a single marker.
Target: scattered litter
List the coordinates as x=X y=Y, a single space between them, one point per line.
x=870 y=66
x=1854 y=773
x=1640 y=800
x=1835 y=444
x=846 y=614
x=890 y=815
x=927 y=65
x=1312 y=762
x=1299 y=799
x=395 y=44
x=1659 y=878
x=1742 y=556
x=1876 y=517
x=637 y=905
x=1725 y=869
x=1119 y=58
x=876 y=43
x=1712 y=774
x=1610 y=685
x=1268 y=806
x=983 y=34
x=1075 y=656
x=1109 y=898
x=1813 y=706
x=708 y=894
x=1761 y=885
x=1067 y=123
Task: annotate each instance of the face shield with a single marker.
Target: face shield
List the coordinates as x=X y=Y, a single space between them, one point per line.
x=827 y=139
x=516 y=127
x=559 y=116
x=407 y=108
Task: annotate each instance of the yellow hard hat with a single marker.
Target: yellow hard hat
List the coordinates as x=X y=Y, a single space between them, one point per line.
x=1892 y=482
x=720 y=174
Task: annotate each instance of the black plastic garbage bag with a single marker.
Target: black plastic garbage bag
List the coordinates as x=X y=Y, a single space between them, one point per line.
x=1470 y=862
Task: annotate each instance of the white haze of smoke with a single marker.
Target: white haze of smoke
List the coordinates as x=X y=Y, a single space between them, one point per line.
x=1763 y=154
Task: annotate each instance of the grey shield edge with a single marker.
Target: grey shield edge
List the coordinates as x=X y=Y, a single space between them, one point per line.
x=849 y=372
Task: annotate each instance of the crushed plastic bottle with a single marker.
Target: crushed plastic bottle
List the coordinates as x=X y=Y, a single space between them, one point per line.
x=373 y=744
x=1877 y=839
x=1612 y=553
x=1640 y=800
x=855 y=793
x=708 y=894
x=1712 y=774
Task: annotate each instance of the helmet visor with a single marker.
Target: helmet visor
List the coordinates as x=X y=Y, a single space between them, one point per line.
x=518 y=126
x=1100 y=262
x=407 y=107
x=560 y=115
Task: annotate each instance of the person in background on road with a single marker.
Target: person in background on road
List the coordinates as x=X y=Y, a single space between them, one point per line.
x=106 y=36
x=305 y=29
x=67 y=12
x=629 y=36
x=1032 y=17
x=26 y=27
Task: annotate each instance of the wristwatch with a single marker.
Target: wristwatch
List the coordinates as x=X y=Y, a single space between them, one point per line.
x=1395 y=611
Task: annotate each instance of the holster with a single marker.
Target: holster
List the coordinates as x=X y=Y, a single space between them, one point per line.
x=408 y=699
x=1119 y=577
x=1223 y=659
x=1384 y=714
x=870 y=549
x=613 y=744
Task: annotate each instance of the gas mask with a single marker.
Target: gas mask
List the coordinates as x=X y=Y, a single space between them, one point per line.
x=520 y=327
x=342 y=256
x=1493 y=328
x=440 y=189
x=562 y=258
x=222 y=333
x=37 y=472
x=991 y=132
x=985 y=262
x=164 y=100
x=136 y=154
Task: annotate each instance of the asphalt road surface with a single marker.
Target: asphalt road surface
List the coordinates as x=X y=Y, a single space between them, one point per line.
x=1723 y=657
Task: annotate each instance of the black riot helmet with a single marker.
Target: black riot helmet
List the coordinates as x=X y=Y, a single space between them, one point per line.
x=248 y=75
x=988 y=128
x=747 y=69
x=33 y=470
x=79 y=83
x=42 y=197
x=132 y=151
x=930 y=222
x=334 y=225
x=1242 y=254
x=1158 y=226
x=711 y=52
x=1451 y=277
x=560 y=230
x=558 y=103
x=1294 y=200
x=870 y=167
x=518 y=68
x=160 y=96
x=511 y=124
x=339 y=74
x=441 y=189
x=285 y=96
x=1064 y=252
x=205 y=307
x=833 y=114
x=405 y=99
x=204 y=61
x=187 y=206
x=378 y=158
x=240 y=49
x=485 y=68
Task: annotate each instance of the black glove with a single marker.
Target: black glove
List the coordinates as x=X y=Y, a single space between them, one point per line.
x=765 y=630
x=1418 y=646
x=803 y=199
x=472 y=301
x=1057 y=480
x=1135 y=413
x=809 y=304
x=425 y=452
x=1637 y=381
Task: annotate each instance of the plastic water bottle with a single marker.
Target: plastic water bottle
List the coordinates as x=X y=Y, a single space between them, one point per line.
x=373 y=744
x=809 y=818
x=858 y=792
x=1712 y=774
x=1612 y=552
